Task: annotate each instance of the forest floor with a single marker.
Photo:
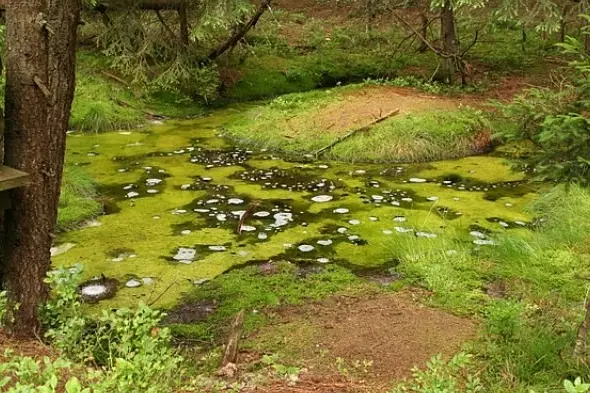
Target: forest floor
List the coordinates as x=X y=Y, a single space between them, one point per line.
x=362 y=343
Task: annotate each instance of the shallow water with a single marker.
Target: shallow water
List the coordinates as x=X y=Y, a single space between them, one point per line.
x=176 y=193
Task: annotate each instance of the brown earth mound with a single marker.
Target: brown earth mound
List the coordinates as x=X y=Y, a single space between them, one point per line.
x=393 y=331
x=359 y=108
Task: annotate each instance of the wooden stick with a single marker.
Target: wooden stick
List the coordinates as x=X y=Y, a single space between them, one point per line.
x=231 y=349
x=353 y=132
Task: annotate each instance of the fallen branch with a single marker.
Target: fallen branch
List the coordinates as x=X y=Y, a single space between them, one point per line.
x=233 y=40
x=116 y=78
x=354 y=132
x=233 y=342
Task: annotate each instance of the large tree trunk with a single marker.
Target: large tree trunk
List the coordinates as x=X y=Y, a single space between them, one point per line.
x=41 y=37
x=448 y=35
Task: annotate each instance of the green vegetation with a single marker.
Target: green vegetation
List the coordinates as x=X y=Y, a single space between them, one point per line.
x=77 y=202
x=250 y=288
x=292 y=125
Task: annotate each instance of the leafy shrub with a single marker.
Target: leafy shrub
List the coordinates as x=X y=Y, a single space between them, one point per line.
x=556 y=123
x=442 y=377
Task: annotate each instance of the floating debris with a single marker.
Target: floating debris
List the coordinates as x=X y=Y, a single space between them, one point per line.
x=426 y=235
x=341 y=210
x=98 y=289
x=484 y=242
x=478 y=234
x=322 y=198
x=62 y=248
x=133 y=283
x=185 y=255
x=305 y=248
x=201 y=281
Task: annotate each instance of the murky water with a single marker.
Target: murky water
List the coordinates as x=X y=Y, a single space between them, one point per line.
x=185 y=206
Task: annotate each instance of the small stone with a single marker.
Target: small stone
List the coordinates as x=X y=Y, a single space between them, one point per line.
x=156 y=217
x=247 y=228
x=217 y=248
x=353 y=238
x=305 y=248
x=373 y=219
x=508 y=204
x=417 y=180
x=132 y=194
x=354 y=222
x=400 y=219
x=147 y=281
x=179 y=211
x=185 y=232
x=432 y=198
x=403 y=230
x=342 y=230
x=325 y=242
x=341 y=210
x=377 y=197
x=117 y=259
x=152 y=191
x=262 y=236
x=261 y=214
x=323 y=260
x=387 y=232
x=235 y=201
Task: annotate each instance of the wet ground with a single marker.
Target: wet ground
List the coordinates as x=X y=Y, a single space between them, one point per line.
x=185 y=206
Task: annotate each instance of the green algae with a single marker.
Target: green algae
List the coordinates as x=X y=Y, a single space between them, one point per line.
x=196 y=167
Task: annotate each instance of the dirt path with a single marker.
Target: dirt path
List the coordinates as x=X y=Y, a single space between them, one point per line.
x=379 y=339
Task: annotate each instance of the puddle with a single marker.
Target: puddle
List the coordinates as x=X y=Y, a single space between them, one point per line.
x=185 y=204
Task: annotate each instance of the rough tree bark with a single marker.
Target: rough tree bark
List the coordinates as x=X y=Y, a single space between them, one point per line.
x=40 y=69
x=448 y=34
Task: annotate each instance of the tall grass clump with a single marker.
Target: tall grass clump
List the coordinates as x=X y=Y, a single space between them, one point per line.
x=77 y=202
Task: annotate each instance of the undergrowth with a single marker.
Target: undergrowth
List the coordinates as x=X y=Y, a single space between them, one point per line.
x=78 y=199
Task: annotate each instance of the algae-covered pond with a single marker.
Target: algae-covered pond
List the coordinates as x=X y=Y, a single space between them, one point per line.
x=175 y=194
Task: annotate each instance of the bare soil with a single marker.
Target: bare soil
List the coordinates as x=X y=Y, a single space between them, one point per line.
x=394 y=331
x=361 y=107
x=33 y=348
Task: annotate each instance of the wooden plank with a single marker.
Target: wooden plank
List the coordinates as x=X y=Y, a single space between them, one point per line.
x=12 y=178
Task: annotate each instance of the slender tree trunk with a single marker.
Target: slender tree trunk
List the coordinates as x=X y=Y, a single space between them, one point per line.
x=41 y=38
x=563 y=23
x=448 y=35
x=182 y=15
x=423 y=30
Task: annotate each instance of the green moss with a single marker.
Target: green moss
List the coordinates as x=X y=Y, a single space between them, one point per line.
x=253 y=291
x=117 y=159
